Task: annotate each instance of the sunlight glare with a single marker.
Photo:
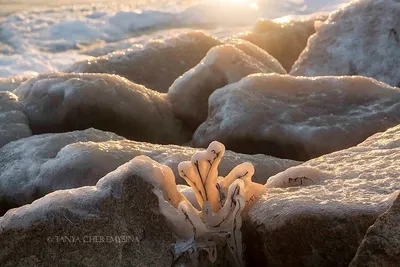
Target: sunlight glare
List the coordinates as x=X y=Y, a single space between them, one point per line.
x=250 y=3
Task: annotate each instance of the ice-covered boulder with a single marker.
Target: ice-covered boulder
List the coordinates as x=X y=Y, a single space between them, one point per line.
x=298 y=117
x=27 y=167
x=329 y=218
x=284 y=41
x=14 y=124
x=115 y=223
x=359 y=39
x=155 y=65
x=62 y=102
x=222 y=65
x=36 y=166
x=381 y=244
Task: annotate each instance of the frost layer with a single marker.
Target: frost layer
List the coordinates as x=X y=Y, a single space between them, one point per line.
x=31 y=167
x=36 y=166
x=328 y=219
x=298 y=117
x=62 y=102
x=155 y=65
x=284 y=41
x=13 y=122
x=222 y=65
x=359 y=39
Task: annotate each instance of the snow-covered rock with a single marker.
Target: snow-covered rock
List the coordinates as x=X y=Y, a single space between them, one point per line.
x=298 y=117
x=381 y=244
x=222 y=65
x=284 y=41
x=36 y=166
x=155 y=65
x=328 y=219
x=14 y=124
x=361 y=38
x=62 y=102
x=30 y=166
x=115 y=223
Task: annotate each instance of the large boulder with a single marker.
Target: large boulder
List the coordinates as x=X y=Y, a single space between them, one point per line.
x=359 y=39
x=115 y=223
x=221 y=66
x=157 y=64
x=14 y=124
x=28 y=162
x=298 y=117
x=36 y=166
x=62 y=102
x=323 y=224
x=284 y=41
x=381 y=244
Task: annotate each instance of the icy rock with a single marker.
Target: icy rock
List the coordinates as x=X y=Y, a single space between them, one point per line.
x=115 y=223
x=61 y=102
x=157 y=64
x=381 y=245
x=328 y=218
x=14 y=124
x=361 y=38
x=221 y=66
x=284 y=41
x=36 y=166
x=298 y=117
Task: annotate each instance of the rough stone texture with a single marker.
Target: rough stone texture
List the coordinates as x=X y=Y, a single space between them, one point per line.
x=157 y=64
x=298 y=117
x=61 y=102
x=381 y=245
x=81 y=227
x=284 y=41
x=29 y=161
x=323 y=224
x=14 y=124
x=36 y=166
x=222 y=65
x=359 y=39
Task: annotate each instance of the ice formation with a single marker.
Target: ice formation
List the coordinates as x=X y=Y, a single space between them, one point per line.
x=293 y=117
x=216 y=226
x=155 y=65
x=61 y=102
x=221 y=66
x=361 y=38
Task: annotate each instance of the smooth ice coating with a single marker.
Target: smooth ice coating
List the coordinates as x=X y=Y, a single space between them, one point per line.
x=34 y=166
x=14 y=124
x=361 y=38
x=42 y=164
x=222 y=200
x=330 y=217
x=60 y=102
x=221 y=66
x=298 y=117
x=155 y=65
x=284 y=41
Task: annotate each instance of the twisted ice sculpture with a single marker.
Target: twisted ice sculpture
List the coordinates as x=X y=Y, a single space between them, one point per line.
x=215 y=224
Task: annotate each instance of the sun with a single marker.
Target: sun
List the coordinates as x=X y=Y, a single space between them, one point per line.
x=248 y=3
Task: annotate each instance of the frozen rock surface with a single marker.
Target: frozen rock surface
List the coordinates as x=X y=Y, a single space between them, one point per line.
x=36 y=166
x=31 y=167
x=298 y=117
x=329 y=218
x=115 y=223
x=381 y=245
x=284 y=41
x=221 y=66
x=155 y=65
x=61 y=102
x=359 y=39
x=14 y=124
